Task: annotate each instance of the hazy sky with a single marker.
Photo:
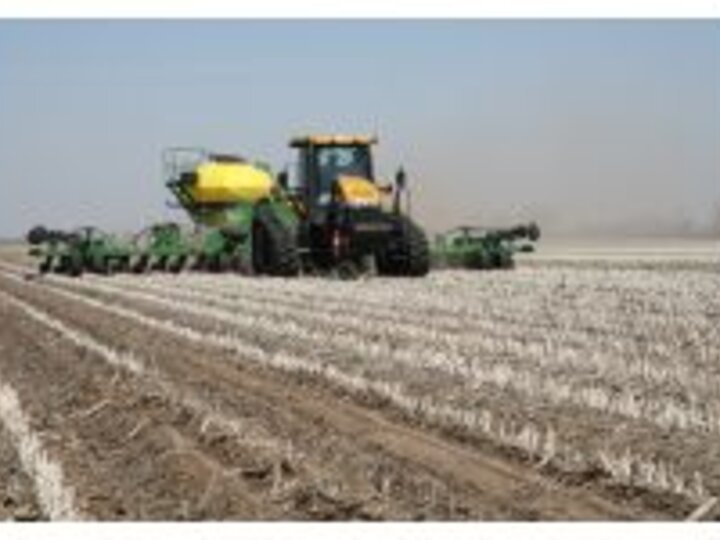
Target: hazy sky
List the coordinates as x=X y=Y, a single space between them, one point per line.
x=587 y=123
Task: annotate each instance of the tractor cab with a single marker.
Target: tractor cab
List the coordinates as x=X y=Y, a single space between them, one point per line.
x=335 y=169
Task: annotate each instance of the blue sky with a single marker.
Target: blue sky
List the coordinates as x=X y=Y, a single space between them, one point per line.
x=581 y=124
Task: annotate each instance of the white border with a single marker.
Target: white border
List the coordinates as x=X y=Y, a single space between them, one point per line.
x=348 y=531
x=313 y=9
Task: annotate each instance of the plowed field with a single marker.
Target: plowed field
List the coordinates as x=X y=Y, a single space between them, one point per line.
x=556 y=391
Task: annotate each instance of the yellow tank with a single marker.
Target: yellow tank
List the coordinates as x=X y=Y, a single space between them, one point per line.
x=219 y=182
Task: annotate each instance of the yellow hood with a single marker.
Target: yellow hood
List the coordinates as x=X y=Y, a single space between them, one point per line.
x=358 y=191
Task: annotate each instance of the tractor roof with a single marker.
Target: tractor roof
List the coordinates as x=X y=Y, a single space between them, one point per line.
x=332 y=140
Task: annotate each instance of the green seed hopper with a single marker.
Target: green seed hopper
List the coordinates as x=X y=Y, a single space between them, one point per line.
x=243 y=219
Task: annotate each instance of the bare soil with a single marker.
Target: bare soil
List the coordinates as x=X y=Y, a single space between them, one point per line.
x=205 y=433
x=157 y=445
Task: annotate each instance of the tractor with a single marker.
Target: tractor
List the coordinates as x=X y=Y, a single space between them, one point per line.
x=329 y=219
x=343 y=224
x=333 y=218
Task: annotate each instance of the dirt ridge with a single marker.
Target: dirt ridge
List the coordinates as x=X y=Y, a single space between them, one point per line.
x=510 y=487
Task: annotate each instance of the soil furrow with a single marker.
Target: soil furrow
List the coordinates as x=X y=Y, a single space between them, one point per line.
x=469 y=353
x=351 y=484
x=128 y=451
x=602 y=440
x=509 y=489
x=18 y=500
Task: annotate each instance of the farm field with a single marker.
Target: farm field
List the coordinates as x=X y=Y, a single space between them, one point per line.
x=584 y=385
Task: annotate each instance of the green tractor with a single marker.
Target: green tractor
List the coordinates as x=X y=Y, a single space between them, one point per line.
x=479 y=248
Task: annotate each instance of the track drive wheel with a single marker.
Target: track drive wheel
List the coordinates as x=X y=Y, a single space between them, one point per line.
x=275 y=249
x=408 y=254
